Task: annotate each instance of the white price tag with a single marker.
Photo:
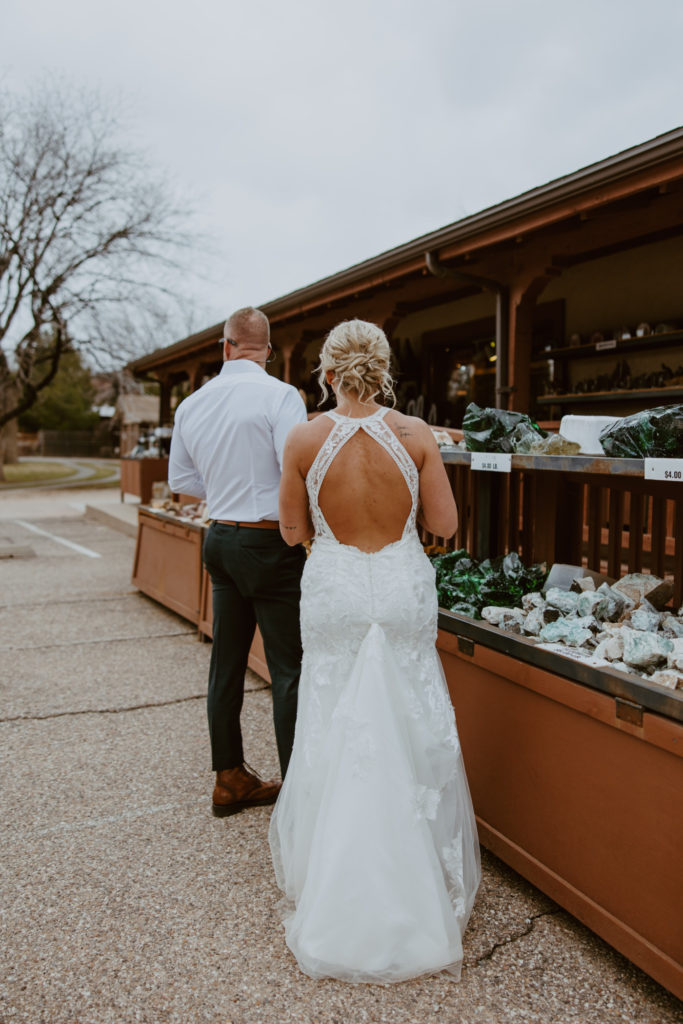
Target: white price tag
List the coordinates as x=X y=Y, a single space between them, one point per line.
x=664 y=469
x=605 y=346
x=493 y=462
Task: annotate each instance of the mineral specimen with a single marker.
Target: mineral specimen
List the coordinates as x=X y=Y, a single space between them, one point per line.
x=638 y=586
x=568 y=631
x=645 y=650
x=564 y=600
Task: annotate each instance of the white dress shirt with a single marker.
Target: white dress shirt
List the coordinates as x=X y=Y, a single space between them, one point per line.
x=228 y=439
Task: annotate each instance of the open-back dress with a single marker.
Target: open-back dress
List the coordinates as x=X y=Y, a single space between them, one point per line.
x=373 y=836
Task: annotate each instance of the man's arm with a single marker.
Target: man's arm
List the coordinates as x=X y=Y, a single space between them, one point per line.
x=183 y=476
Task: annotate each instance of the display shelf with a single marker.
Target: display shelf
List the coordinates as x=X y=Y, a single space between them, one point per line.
x=647 y=394
x=572 y=782
x=591 y=464
x=668 y=340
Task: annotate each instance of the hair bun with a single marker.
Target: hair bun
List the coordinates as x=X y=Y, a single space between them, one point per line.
x=358 y=354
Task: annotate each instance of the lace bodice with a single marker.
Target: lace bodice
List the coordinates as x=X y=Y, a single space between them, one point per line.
x=344 y=428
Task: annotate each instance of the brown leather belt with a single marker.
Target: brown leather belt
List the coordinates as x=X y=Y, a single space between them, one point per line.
x=263 y=524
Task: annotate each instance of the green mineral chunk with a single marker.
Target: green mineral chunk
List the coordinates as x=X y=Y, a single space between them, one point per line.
x=653 y=433
x=498 y=430
x=466 y=586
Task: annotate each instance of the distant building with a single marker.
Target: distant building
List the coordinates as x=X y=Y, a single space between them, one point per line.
x=134 y=416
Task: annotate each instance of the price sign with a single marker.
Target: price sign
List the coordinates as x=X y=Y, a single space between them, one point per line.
x=492 y=462
x=664 y=469
x=605 y=346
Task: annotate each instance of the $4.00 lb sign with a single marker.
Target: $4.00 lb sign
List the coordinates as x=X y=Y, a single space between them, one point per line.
x=664 y=469
x=493 y=462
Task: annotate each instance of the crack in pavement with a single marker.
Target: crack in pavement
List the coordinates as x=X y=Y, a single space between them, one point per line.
x=70 y=600
x=101 y=640
x=118 y=711
x=531 y=924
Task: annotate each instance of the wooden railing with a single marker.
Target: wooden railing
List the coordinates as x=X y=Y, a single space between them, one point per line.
x=581 y=510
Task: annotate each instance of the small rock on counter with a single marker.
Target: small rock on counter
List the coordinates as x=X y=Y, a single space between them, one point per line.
x=616 y=603
x=645 y=620
x=564 y=600
x=645 y=650
x=675 y=656
x=510 y=619
x=671 y=626
x=638 y=586
x=666 y=677
x=583 y=583
x=592 y=603
x=567 y=631
x=611 y=648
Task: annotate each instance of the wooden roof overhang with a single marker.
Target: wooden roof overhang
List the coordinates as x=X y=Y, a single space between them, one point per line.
x=629 y=199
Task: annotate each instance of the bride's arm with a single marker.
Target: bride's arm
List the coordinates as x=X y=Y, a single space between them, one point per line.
x=438 y=512
x=295 y=513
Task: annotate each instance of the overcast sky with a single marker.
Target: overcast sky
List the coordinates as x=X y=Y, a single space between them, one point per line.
x=311 y=135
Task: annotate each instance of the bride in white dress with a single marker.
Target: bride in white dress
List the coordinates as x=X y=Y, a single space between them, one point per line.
x=373 y=836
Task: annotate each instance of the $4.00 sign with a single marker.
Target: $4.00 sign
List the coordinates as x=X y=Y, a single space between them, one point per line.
x=664 y=469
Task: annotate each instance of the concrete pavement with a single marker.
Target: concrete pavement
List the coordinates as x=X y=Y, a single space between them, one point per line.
x=123 y=900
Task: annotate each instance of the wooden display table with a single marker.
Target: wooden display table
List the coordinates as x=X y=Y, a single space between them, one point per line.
x=168 y=567
x=168 y=562
x=138 y=475
x=576 y=777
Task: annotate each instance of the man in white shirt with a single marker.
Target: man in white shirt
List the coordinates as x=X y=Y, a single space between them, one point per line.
x=227 y=444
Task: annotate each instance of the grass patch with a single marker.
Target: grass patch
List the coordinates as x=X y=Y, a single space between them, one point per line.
x=99 y=472
x=36 y=472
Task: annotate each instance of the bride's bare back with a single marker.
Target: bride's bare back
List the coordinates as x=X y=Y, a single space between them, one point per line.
x=364 y=496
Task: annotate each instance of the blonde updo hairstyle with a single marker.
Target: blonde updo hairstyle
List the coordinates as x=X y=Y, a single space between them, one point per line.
x=358 y=354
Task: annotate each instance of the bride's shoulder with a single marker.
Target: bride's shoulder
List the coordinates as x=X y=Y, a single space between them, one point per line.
x=306 y=438
x=408 y=428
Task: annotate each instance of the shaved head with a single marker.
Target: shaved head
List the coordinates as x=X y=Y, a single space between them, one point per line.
x=249 y=328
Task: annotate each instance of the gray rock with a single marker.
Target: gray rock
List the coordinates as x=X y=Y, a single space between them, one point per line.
x=564 y=600
x=534 y=622
x=582 y=584
x=645 y=650
x=591 y=602
x=671 y=626
x=509 y=619
x=639 y=585
x=616 y=603
x=532 y=600
x=621 y=667
x=675 y=657
x=611 y=648
x=566 y=631
x=644 y=620
x=666 y=677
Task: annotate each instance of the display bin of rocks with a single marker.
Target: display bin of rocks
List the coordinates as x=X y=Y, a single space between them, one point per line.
x=168 y=561
x=572 y=732
x=601 y=511
x=257 y=657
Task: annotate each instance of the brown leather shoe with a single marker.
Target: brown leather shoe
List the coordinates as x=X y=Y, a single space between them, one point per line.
x=241 y=787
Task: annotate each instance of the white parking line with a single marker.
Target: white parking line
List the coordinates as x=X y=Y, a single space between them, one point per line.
x=60 y=540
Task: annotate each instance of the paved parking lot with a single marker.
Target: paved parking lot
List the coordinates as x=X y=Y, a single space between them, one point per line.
x=124 y=900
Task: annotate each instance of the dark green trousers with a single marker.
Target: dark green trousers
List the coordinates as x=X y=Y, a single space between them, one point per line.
x=256 y=578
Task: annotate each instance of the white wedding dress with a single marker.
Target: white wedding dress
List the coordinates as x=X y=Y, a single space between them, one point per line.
x=373 y=836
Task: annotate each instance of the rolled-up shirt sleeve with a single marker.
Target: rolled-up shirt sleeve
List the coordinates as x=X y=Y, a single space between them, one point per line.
x=290 y=412
x=183 y=475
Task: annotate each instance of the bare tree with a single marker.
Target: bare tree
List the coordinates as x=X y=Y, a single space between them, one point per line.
x=89 y=239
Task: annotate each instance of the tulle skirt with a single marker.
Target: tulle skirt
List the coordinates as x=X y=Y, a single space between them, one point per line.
x=373 y=836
